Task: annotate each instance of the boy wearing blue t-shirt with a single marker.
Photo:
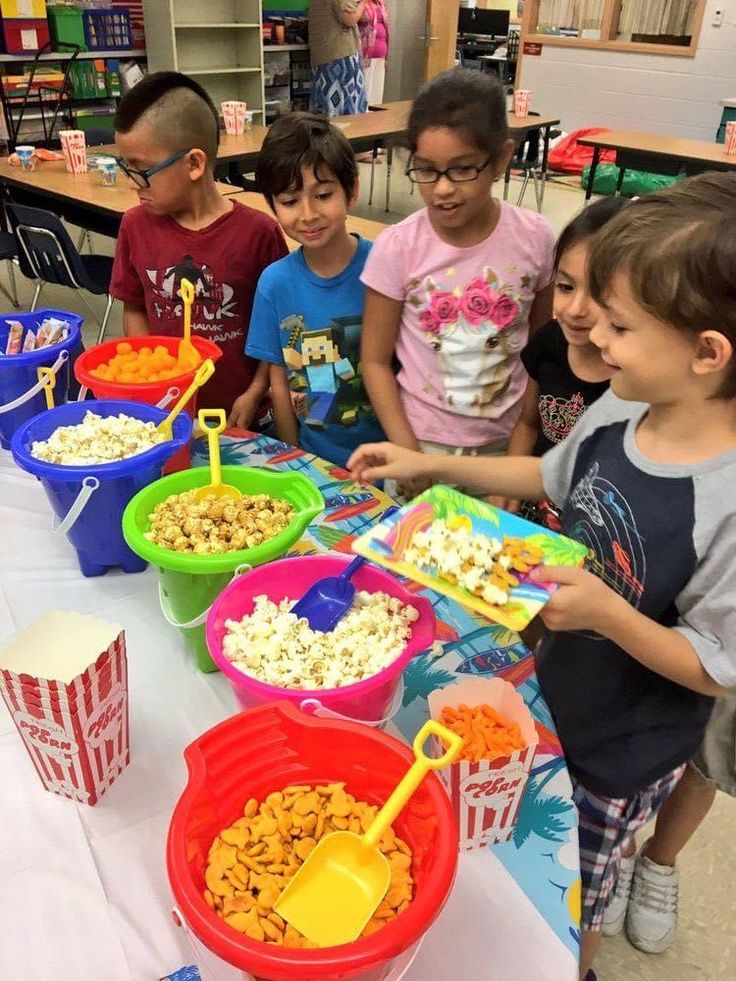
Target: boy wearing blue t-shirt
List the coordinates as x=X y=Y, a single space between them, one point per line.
x=308 y=310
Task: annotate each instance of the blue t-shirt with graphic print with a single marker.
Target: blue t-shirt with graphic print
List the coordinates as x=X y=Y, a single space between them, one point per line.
x=312 y=325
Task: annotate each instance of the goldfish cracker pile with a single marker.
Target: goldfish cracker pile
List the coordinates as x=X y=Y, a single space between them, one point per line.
x=486 y=734
x=276 y=647
x=251 y=862
x=483 y=566
x=147 y=364
x=215 y=524
x=97 y=439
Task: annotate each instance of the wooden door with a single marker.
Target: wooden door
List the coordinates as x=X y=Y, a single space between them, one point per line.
x=441 y=36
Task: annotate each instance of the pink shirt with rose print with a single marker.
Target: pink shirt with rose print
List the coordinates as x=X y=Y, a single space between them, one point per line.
x=464 y=323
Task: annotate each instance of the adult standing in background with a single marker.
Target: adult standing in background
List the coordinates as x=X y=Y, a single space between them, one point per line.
x=373 y=29
x=338 y=82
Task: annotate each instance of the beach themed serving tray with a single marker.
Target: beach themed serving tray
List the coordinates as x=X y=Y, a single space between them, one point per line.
x=472 y=552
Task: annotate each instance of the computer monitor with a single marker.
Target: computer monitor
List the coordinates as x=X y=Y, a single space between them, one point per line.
x=490 y=23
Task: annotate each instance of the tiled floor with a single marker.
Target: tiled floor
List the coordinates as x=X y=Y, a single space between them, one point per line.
x=705 y=949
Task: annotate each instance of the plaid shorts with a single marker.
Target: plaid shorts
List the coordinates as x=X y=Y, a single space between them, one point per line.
x=605 y=826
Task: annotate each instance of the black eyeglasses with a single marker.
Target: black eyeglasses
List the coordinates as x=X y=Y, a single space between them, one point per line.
x=458 y=174
x=143 y=177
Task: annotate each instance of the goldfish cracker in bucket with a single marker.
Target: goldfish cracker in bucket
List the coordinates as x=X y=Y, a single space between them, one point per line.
x=486 y=793
x=65 y=682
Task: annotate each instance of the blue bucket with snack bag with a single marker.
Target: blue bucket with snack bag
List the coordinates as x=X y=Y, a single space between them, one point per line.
x=22 y=394
x=89 y=499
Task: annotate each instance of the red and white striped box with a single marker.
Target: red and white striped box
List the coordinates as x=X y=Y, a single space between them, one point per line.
x=730 y=140
x=487 y=795
x=76 y=731
x=522 y=102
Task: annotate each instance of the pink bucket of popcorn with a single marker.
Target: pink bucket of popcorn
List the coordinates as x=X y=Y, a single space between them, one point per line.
x=74 y=149
x=65 y=683
x=233 y=114
x=487 y=792
x=730 y=141
x=522 y=102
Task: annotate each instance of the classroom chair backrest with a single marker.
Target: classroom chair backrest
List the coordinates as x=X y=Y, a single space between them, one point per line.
x=45 y=250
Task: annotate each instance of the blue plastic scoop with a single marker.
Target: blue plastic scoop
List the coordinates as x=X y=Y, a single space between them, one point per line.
x=326 y=602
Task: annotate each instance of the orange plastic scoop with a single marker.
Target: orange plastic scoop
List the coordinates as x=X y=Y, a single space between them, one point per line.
x=343 y=881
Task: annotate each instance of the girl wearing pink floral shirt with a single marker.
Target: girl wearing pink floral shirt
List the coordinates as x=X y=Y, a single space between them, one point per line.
x=454 y=290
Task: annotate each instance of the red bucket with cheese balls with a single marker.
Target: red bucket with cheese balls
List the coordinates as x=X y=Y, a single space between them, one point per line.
x=161 y=385
x=486 y=785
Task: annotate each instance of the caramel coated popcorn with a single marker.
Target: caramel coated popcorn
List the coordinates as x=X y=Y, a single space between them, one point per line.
x=216 y=524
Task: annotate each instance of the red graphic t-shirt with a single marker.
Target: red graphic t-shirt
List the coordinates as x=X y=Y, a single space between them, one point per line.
x=223 y=261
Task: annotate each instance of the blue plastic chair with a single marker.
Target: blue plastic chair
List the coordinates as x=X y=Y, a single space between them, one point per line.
x=47 y=254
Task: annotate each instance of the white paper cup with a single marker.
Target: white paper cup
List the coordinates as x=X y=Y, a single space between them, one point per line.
x=26 y=155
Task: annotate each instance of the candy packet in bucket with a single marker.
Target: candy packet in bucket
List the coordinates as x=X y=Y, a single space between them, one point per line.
x=487 y=792
x=65 y=682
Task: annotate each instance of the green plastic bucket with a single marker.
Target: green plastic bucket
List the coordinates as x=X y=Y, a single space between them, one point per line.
x=189 y=584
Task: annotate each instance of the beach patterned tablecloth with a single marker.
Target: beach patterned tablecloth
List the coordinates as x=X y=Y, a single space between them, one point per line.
x=542 y=855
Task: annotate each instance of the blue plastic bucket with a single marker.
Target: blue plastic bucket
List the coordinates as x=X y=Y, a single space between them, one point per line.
x=89 y=501
x=21 y=394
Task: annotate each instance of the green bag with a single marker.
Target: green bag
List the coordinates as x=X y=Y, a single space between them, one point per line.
x=636 y=182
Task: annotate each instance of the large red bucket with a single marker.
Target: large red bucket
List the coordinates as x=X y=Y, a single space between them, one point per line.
x=264 y=750
x=152 y=393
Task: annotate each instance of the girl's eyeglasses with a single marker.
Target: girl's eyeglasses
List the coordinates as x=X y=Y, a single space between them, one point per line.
x=457 y=174
x=143 y=177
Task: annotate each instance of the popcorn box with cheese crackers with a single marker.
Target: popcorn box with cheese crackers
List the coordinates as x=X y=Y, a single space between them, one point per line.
x=65 y=682
x=472 y=552
x=487 y=793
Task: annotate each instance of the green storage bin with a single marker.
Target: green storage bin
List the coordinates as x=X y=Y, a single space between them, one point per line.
x=67 y=27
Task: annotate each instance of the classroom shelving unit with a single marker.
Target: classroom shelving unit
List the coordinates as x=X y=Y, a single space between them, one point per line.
x=286 y=77
x=223 y=52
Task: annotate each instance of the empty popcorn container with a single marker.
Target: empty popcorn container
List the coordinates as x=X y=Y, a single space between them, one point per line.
x=65 y=682
x=487 y=795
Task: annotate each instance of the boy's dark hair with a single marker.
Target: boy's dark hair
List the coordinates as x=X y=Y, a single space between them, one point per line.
x=179 y=110
x=678 y=249
x=304 y=139
x=473 y=103
x=586 y=224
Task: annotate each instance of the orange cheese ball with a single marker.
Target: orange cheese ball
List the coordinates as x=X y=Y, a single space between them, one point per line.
x=147 y=364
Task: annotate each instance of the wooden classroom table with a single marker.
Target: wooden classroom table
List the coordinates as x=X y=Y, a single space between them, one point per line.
x=694 y=155
x=83 y=200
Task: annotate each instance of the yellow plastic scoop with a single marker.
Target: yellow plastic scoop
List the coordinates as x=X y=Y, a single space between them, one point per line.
x=213 y=444
x=205 y=371
x=47 y=376
x=343 y=881
x=187 y=351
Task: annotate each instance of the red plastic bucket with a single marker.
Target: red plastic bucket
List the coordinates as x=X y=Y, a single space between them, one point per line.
x=364 y=701
x=152 y=393
x=264 y=750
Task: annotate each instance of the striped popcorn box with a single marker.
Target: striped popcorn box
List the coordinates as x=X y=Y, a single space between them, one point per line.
x=240 y=110
x=74 y=149
x=229 y=116
x=487 y=794
x=730 y=140
x=522 y=102
x=69 y=702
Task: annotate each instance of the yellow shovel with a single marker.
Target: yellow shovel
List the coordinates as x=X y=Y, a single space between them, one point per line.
x=48 y=377
x=343 y=881
x=187 y=351
x=213 y=445
x=202 y=374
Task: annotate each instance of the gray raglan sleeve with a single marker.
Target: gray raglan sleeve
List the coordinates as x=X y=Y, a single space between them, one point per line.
x=558 y=463
x=707 y=605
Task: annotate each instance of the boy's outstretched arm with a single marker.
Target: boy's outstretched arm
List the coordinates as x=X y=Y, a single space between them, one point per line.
x=246 y=405
x=135 y=320
x=585 y=602
x=287 y=425
x=519 y=476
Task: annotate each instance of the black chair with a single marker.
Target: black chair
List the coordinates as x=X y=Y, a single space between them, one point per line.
x=47 y=254
x=8 y=253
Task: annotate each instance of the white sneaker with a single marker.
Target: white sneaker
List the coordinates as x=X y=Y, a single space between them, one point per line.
x=652 y=918
x=613 y=918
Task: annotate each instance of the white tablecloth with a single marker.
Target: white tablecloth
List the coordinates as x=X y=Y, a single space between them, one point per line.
x=83 y=891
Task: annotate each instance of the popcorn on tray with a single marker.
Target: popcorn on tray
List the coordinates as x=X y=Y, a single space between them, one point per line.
x=98 y=439
x=215 y=525
x=272 y=645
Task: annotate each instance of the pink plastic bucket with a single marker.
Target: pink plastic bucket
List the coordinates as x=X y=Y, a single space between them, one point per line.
x=365 y=701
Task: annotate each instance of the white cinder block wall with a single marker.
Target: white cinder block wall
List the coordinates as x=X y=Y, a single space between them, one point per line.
x=659 y=94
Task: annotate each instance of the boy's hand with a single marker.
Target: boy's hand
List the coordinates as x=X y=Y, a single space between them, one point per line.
x=509 y=504
x=242 y=412
x=376 y=461
x=581 y=602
